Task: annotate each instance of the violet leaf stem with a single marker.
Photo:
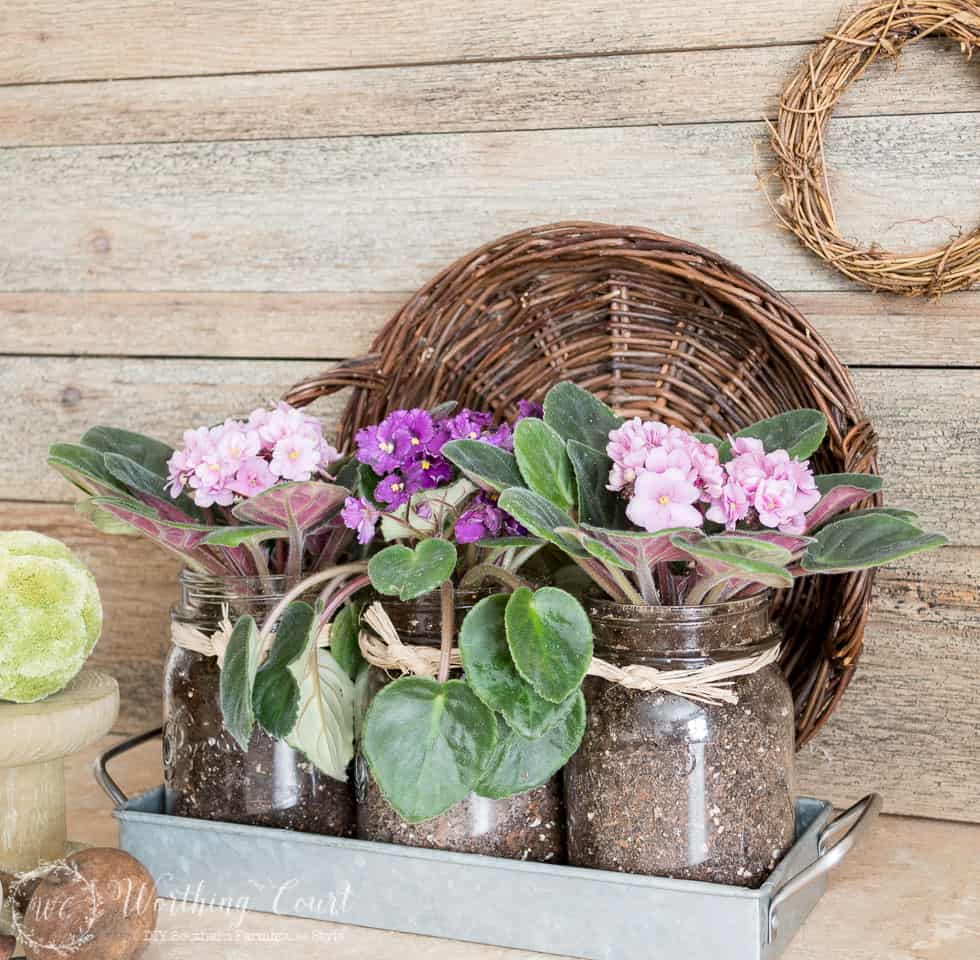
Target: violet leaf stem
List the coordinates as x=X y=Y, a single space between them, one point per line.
x=448 y=596
x=338 y=599
x=487 y=571
x=344 y=570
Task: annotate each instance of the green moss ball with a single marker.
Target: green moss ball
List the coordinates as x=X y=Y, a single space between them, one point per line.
x=50 y=616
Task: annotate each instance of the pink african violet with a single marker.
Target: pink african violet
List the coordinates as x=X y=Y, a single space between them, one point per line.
x=672 y=479
x=664 y=500
x=244 y=458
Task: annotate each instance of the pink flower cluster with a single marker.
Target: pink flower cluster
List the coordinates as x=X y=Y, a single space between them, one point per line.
x=666 y=471
x=674 y=480
x=241 y=458
x=774 y=487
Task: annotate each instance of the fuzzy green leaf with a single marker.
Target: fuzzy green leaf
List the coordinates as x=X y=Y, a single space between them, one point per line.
x=275 y=695
x=521 y=763
x=869 y=540
x=237 y=536
x=85 y=468
x=540 y=516
x=486 y=465
x=575 y=414
x=543 y=463
x=400 y=571
x=596 y=504
x=550 y=640
x=838 y=492
x=150 y=454
x=136 y=478
x=344 y=639
x=237 y=679
x=490 y=671
x=798 y=432
x=746 y=559
x=427 y=744
x=324 y=728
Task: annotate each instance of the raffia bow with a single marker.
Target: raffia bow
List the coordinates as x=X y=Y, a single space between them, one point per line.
x=713 y=683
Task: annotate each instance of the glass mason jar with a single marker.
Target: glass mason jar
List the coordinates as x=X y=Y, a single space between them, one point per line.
x=529 y=826
x=667 y=786
x=206 y=774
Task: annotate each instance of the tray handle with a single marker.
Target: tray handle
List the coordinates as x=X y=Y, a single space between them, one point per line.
x=112 y=789
x=834 y=843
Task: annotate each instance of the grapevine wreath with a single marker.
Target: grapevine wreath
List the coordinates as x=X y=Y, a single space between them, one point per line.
x=798 y=136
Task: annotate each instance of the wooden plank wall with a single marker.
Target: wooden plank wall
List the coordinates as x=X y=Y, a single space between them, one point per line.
x=202 y=203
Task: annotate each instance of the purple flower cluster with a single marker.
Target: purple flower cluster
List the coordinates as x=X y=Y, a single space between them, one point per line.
x=483 y=518
x=405 y=452
x=674 y=480
x=241 y=458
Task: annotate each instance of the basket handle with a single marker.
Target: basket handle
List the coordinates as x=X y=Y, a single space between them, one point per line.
x=112 y=789
x=834 y=843
x=360 y=372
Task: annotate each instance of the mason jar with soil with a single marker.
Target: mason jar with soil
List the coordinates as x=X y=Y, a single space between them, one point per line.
x=528 y=826
x=206 y=774
x=670 y=786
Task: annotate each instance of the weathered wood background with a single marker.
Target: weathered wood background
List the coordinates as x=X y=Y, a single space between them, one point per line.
x=202 y=202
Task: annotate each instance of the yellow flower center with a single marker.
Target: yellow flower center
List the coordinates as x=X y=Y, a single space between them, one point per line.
x=664 y=500
x=397 y=486
x=387 y=447
x=415 y=441
x=426 y=464
x=293 y=454
x=472 y=435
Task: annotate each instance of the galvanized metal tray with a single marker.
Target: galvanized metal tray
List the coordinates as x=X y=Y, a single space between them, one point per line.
x=571 y=911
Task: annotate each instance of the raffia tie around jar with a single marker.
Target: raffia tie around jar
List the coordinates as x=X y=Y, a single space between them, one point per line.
x=709 y=684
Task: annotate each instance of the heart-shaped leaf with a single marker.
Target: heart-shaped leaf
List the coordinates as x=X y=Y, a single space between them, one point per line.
x=150 y=454
x=521 y=763
x=427 y=744
x=400 y=571
x=305 y=504
x=490 y=671
x=324 y=727
x=540 y=516
x=275 y=695
x=798 y=432
x=870 y=540
x=550 y=640
x=237 y=679
x=838 y=492
x=344 y=639
x=487 y=466
x=543 y=463
x=575 y=414
x=596 y=504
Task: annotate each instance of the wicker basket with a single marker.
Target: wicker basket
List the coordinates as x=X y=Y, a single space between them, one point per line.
x=656 y=327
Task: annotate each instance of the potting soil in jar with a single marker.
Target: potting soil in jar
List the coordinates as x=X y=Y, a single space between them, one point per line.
x=667 y=786
x=206 y=774
x=529 y=826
